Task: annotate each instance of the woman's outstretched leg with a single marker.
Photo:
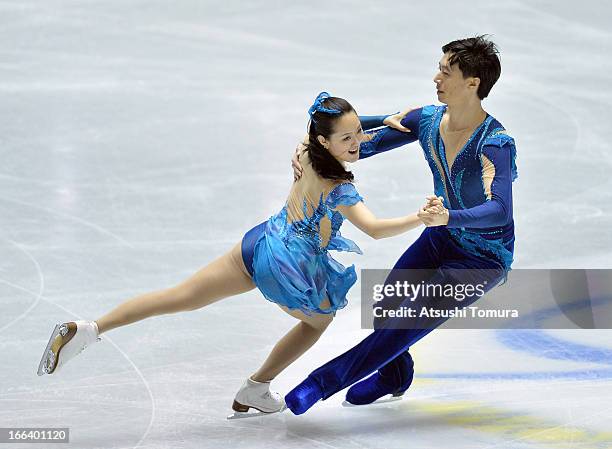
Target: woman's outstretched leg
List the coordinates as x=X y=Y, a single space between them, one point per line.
x=226 y=276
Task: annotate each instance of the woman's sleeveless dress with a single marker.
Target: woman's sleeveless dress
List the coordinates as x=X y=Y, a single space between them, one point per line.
x=291 y=265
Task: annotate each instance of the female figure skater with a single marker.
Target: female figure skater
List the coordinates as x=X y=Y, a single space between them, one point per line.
x=286 y=257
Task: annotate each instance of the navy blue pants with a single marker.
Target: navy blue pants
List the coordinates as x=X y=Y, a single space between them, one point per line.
x=434 y=255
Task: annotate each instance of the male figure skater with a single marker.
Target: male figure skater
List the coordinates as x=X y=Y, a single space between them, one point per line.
x=472 y=160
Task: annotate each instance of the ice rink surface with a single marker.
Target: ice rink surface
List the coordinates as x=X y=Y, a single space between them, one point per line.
x=140 y=140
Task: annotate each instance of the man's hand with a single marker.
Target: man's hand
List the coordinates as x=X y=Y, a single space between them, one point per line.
x=295 y=160
x=433 y=213
x=435 y=204
x=366 y=137
x=395 y=121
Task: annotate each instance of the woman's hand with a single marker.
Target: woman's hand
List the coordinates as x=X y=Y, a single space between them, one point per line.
x=395 y=121
x=433 y=213
x=435 y=204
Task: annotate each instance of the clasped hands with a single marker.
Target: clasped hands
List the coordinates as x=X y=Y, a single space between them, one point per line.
x=433 y=213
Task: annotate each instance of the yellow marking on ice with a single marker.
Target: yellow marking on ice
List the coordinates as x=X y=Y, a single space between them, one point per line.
x=555 y=435
x=512 y=425
x=604 y=437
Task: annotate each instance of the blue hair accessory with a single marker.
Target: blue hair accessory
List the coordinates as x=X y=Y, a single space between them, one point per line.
x=317 y=106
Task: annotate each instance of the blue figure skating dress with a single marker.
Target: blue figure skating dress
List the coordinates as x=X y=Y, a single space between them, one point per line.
x=288 y=255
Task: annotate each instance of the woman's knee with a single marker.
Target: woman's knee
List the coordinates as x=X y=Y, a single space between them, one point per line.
x=183 y=298
x=320 y=322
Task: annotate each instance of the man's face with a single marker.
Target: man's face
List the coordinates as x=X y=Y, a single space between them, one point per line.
x=451 y=87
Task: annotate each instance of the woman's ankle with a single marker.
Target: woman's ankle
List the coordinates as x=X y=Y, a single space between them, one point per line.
x=99 y=329
x=260 y=379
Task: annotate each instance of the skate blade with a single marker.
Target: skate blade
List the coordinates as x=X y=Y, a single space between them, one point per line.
x=383 y=400
x=41 y=371
x=56 y=342
x=254 y=413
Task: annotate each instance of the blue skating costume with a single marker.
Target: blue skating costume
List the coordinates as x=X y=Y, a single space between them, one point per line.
x=479 y=237
x=291 y=265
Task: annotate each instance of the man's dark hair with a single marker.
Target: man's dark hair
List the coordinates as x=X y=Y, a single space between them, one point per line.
x=477 y=57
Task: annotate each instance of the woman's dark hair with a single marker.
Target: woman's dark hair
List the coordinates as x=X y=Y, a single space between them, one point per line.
x=323 y=124
x=477 y=57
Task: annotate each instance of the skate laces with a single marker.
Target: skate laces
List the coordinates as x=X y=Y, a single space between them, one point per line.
x=271 y=395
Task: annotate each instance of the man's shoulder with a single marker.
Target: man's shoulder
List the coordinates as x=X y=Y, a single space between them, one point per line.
x=496 y=133
x=499 y=141
x=428 y=115
x=429 y=110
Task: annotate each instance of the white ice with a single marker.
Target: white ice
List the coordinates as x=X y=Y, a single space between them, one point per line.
x=140 y=140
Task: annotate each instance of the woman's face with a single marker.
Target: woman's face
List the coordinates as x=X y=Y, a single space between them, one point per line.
x=344 y=143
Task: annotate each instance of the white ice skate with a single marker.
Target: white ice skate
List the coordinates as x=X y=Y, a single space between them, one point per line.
x=67 y=340
x=256 y=395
